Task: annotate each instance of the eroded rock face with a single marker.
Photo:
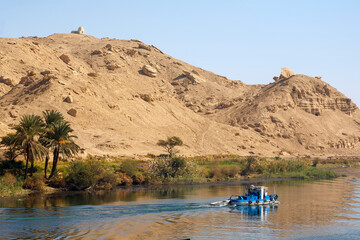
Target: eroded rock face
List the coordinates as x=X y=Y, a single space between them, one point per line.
x=149 y=71
x=286 y=73
x=320 y=99
x=194 y=77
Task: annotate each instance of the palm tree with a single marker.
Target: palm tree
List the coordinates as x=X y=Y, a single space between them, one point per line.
x=13 y=144
x=51 y=117
x=28 y=131
x=61 y=142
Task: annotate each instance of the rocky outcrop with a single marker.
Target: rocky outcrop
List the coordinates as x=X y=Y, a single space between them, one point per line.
x=320 y=99
x=286 y=73
x=144 y=46
x=6 y=81
x=149 y=71
x=68 y=99
x=194 y=77
x=65 y=58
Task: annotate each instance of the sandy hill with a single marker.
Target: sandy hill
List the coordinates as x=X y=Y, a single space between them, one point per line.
x=122 y=96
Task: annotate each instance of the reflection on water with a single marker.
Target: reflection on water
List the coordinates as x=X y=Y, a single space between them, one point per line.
x=308 y=210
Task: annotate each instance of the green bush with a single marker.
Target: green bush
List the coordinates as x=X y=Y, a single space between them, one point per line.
x=10 y=185
x=57 y=181
x=124 y=179
x=129 y=167
x=250 y=166
x=14 y=167
x=139 y=178
x=177 y=165
x=171 y=167
x=90 y=174
x=36 y=182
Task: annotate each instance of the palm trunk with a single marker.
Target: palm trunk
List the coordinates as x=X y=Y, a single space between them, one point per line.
x=27 y=161
x=55 y=160
x=32 y=166
x=46 y=164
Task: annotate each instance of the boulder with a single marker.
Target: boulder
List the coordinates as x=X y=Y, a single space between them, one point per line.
x=149 y=71
x=112 y=67
x=72 y=112
x=46 y=72
x=131 y=52
x=96 y=52
x=65 y=58
x=108 y=47
x=68 y=99
x=92 y=74
x=286 y=73
x=144 y=46
x=6 y=81
x=194 y=78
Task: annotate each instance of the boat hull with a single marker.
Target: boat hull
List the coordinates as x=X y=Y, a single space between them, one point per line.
x=246 y=203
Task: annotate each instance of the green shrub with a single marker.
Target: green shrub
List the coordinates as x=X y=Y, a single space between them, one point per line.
x=124 y=179
x=215 y=172
x=177 y=165
x=107 y=180
x=139 y=178
x=10 y=185
x=9 y=179
x=171 y=167
x=36 y=182
x=129 y=167
x=14 y=167
x=90 y=174
x=57 y=181
x=250 y=166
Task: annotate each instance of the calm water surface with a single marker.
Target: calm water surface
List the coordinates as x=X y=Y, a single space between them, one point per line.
x=309 y=210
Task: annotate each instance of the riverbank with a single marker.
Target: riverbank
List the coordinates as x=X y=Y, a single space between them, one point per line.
x=102 y=174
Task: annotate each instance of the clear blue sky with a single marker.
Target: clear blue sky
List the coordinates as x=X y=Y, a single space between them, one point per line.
x=242 y=40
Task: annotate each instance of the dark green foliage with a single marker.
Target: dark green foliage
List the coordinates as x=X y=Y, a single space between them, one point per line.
x=129 y=167
x=177 y=165
x=170 y=144
x=250 y=165
x=14 y=167
x=30 y=128
x=13 y=145
x=170 y=167
x=89 y=174
x=58 y=138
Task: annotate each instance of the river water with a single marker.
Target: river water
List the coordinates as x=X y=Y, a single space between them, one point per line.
x=326 y=209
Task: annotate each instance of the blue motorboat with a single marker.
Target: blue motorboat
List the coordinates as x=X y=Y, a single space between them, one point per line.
x=256 y=195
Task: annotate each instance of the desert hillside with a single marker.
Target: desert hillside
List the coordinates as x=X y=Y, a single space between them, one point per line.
x=122 y=96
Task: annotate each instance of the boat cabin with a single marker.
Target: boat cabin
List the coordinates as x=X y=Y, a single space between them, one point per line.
x=260 y=191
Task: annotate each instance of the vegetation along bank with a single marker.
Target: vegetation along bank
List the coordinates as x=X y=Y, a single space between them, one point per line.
x=48 y=140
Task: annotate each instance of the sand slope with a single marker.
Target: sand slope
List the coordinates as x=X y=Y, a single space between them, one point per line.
x=122 y=111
